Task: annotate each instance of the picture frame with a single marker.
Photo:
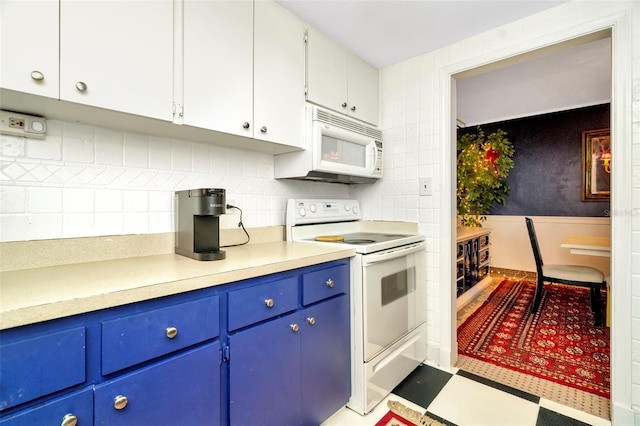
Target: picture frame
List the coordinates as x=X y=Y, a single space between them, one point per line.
x=596 y=170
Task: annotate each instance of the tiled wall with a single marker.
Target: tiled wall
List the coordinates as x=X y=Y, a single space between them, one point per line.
x=88 y=181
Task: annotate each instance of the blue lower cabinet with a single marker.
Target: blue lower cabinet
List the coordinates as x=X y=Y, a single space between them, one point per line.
x=326 y=362
x=292 y=371
x=76 y=407
x=264 y=371
x=183 y=390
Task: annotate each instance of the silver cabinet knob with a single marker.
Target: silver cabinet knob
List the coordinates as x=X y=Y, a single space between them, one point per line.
x=269 y=303
x=311 y=320
x=263 y=129
x=172 y=332
x=330 y=283
x=295 y=328
x=69 y=420
x=120 y=402
x=81 y=86
x=37 y=75
x=353 y=108
x=245 y=125
x=344 y=105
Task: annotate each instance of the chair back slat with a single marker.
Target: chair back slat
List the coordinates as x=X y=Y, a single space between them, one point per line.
x=534 y=245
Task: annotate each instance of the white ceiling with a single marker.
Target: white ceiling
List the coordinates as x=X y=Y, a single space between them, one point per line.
x=384 y=32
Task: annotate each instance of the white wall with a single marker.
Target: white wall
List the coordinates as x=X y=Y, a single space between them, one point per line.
x=416 y=115
x=86 y=181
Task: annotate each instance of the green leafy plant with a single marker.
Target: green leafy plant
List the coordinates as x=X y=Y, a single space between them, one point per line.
x=483 y=166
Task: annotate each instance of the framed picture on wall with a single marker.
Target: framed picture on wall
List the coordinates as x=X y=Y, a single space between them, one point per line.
x=596 y=165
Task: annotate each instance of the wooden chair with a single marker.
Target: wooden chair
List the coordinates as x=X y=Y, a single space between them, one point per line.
x=584 y=276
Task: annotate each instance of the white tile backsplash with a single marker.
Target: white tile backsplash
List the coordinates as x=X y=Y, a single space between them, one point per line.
x=83 y=181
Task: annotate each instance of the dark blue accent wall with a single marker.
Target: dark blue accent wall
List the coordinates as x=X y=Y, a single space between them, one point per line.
x=546 y=179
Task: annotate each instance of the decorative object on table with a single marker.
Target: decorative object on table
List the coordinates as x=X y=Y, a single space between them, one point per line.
x=483 y=166
x=596 y=165
x=401 y=415
x=559 y=343
x=578 y=275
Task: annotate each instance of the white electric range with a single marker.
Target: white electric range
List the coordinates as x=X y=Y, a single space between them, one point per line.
x=388 y=293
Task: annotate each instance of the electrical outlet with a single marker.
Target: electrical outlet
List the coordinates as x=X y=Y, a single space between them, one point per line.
x=16 y=124
x=426 y=186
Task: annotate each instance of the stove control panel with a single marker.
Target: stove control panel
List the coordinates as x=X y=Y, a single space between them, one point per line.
x=304 y=211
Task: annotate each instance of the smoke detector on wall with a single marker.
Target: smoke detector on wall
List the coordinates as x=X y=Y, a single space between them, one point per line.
x=17 y=124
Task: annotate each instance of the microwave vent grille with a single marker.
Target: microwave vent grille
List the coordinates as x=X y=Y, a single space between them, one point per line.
x=336 y=120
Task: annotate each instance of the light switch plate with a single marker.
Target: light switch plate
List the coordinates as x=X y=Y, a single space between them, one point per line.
x=426 y=186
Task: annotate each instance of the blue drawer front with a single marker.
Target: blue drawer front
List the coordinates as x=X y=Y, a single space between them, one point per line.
x=39 y=366
x=53 y=412
x=137 y=338
x=250 y=305
x=181 y=391
x=325 y=283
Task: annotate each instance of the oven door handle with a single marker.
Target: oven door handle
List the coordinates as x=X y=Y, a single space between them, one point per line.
x=392 y=254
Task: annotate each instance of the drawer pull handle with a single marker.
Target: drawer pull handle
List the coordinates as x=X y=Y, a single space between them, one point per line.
x=37 y=75
x=245 y=125
x=172 y=332
x=295 y=328
x=330 y=283
x=69 y=420
x=269 y=303
x=120 y=402
x=311 y=320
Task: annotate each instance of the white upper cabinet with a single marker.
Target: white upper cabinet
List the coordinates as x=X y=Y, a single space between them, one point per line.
x=118 y=55
x=278 y=75
x=218 y=65
x=339 y=80
x=29 y=46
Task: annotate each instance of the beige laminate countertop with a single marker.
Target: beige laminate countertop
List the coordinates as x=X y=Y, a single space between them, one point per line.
x=32 y=295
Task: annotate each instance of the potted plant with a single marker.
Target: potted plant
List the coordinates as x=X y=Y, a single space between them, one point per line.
x=483 y=166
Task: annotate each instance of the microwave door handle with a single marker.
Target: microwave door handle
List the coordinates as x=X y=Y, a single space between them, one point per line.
x=392 y=254
x=374 y=151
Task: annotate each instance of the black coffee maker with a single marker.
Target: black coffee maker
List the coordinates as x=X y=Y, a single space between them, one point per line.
x=198 y=223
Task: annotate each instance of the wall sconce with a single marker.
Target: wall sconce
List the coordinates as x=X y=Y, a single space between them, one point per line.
x=606 y=161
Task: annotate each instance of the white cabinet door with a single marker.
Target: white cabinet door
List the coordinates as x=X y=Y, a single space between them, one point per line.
x=118 y=55
x=339 y=80
x=363 y=90
x=326 y=72
x=29 y=46
x=218 y=65
x=278 y=75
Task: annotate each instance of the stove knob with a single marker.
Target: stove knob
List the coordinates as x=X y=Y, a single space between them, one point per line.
x=347 y=207
x=355 y=210
x=302 y=211
x=312 y=208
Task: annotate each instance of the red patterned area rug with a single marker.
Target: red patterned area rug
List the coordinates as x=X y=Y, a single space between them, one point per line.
x=559 y=343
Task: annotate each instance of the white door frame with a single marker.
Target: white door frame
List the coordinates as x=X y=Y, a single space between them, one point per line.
x=621 y=194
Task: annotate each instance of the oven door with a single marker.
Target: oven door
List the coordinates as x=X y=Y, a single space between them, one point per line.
x=393 y=295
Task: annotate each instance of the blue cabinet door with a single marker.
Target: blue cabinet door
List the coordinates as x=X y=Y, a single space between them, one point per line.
x=183 y=390
x=326 y=363
x=78 y=405
x=264 y=374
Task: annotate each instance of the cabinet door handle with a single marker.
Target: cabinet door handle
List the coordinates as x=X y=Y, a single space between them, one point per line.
x=37 y=75
x=172 y=332
x=119 y=402
x=311 y=320
x=263 y=129
x=330 y=283
x=245 y=125
x=69 y=420
x=344 y=105
x=269 y=303
x=81 y=86
x=295 y=327
x=353 y=108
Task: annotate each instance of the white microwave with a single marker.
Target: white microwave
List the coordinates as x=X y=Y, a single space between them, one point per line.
x=337 y=149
